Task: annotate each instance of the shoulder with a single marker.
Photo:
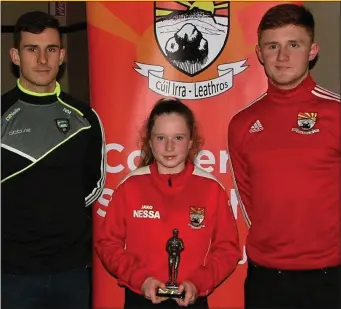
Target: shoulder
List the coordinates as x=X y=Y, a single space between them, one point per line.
x=326 y=96
x=135 y=176
x=68 y=99
x=81 y=107
x=243 y=120
x=13 y=93
x=8 y=99
x=207 y=178
x=247 y=111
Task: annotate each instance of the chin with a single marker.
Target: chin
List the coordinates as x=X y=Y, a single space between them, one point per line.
x=44 y=82
x=170 y=164
x=285 y=81
x=41 y=83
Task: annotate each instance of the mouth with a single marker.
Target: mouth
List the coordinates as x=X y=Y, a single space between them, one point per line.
x=281 y=68
x=43 y=71
x=169 y=158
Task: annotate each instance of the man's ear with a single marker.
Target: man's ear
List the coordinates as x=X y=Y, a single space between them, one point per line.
x=14 y=54
x=259 y=54
x=314 y=50
x=61 y=56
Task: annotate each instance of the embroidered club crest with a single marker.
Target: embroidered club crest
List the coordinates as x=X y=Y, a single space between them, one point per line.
x=63 y=125
x=306 y=122
x=197 y=216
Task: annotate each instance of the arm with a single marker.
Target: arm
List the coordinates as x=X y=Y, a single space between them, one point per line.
x=238 y=169
x=94 y=170
x=110 y=246
x=224 y=252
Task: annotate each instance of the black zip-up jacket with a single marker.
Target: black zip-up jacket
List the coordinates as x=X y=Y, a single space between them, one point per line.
x=52 y=167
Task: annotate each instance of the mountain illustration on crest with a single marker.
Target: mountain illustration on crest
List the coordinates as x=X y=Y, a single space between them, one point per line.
x=189 y=38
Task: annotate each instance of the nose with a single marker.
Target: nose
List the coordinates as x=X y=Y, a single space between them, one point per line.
x=42 y=57
x=283 y=54
x=169 y=145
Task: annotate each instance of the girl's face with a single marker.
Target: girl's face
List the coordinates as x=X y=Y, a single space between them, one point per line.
x=170 y=142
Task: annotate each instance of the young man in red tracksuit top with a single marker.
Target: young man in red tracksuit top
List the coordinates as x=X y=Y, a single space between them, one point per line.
x=285 y=161
x=168 y=192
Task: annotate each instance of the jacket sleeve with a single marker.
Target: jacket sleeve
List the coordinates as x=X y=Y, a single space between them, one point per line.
x=238 y=169
x=111 y=247
x=95 y=166
x=224 y=252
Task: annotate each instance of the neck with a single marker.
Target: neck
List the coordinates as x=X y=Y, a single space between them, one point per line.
x=288 y=96
x=166 y=170
x=291 y=85
x=36 y=88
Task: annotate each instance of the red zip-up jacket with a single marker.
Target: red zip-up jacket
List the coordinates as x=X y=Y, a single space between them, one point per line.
x=285 y=156
x=145 y=209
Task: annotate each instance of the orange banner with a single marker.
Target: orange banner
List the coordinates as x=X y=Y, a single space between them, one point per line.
x=200 y=52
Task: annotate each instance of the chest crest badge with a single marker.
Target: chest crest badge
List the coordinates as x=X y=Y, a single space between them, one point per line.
x=306 y=123
x=196 y=216
x=63 y=125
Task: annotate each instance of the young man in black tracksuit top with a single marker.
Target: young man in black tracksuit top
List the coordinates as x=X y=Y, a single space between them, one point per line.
x=53 y=167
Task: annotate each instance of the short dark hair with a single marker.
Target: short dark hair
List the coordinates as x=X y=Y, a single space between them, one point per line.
x=287 y=14
x=34 y=22
x=168 y=106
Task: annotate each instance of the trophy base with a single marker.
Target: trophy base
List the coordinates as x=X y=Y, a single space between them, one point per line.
x=171 y=291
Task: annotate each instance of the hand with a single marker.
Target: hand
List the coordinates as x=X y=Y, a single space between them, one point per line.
x=190 y=294
x=149 y=288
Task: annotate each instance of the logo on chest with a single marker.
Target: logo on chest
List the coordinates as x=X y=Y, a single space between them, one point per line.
x=306 y=123
x=196 y=216
x=19 y=131
x=63 y=125
x=13 y=113
x=146 y=212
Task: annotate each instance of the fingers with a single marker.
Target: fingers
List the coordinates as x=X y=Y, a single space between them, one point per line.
x=162 y=298
x=152 y=295
x=149 y=289
x=186 y=301
x=190 y=294
x=181 y=288
x=162 y=286
x=188 y=297
x=151 y=285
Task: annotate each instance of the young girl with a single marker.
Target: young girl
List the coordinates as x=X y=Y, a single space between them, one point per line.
x=167 y=196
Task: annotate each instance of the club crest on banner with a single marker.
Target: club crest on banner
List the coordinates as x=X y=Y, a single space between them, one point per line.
x=191 y=36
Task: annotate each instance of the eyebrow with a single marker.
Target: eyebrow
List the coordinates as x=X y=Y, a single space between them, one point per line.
x=35 y=45
x=290 y=41
x=160 y=133
x=270 y=43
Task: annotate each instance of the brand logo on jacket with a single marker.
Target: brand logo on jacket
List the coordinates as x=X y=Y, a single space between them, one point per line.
x=20 y=131
x=146 y=212
x=306 y=122
x=63 y=125
x=256 y=127
x=65 y=110
x=197 y=216
x=12 y=114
